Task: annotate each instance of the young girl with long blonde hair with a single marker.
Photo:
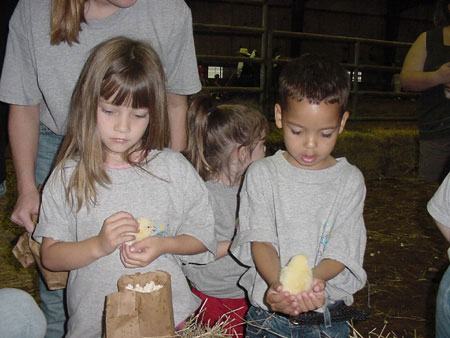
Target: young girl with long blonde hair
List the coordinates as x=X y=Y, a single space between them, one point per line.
x=222 y=142
x=113 y=168
x=48 y=44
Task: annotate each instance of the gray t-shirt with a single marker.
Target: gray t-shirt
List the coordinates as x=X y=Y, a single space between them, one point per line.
x=171 y=195
x=439 y=205
x=36 y=72
x=220 y=278
x=318 y=213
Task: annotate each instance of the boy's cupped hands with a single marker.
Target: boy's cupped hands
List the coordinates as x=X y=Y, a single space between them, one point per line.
x=289 y=304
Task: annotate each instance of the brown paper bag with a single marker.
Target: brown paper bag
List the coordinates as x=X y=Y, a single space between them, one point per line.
x=132 y=314
x=22 y=251
x=28 y=251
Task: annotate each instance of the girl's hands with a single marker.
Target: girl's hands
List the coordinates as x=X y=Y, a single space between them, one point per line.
x=142 y=253
x=112 y=233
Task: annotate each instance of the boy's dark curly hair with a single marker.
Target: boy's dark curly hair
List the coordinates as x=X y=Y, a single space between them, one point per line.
x=316 y=79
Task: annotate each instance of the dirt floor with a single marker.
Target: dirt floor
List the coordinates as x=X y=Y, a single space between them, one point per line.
x=403 y=243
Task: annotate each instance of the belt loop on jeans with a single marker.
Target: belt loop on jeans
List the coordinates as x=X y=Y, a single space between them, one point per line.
x=327 y=318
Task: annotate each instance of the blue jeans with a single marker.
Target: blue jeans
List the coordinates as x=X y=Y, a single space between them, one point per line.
x=19 y=315
x=261 y=323
x=48 y=147
x=52 y=302
x=443 y=307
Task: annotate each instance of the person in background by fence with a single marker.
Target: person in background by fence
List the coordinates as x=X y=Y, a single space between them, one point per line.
x=426 y=68
x=246 y=72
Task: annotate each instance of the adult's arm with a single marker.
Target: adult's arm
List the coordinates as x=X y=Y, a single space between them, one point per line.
x=412 y=76
x=177 y=108
x=23 y=128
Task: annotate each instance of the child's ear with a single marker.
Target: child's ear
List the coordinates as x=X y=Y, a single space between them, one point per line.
x=243 y=152
x=278 y=116
x=343 y=121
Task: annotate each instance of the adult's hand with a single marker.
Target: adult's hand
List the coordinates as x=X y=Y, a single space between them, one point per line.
x=26 y=210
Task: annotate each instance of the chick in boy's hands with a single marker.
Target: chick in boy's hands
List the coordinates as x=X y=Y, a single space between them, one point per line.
x=303 y=292
x=296 y=276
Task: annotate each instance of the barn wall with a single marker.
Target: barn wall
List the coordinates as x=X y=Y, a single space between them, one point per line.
x=351 y=18
x=225 y=14
x=355 y=18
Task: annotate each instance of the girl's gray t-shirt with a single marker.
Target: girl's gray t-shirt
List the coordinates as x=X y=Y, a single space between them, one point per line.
x=169 y=192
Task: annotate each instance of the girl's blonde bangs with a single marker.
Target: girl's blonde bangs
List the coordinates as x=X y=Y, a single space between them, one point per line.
x=126 y=89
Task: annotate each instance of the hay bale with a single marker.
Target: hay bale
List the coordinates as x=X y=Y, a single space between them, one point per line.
x=274 y=140
x=403 y=156
x=364 y=150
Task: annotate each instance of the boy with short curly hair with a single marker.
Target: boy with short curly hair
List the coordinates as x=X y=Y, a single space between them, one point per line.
x=304 y=201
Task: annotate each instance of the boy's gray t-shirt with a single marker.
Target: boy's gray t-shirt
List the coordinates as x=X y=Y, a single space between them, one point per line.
x=318 y=213
x=37 y=73
x=171 y=195
x=220 y=278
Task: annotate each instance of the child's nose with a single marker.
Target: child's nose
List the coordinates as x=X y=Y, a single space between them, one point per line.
x=310 y=141
x=122 y=124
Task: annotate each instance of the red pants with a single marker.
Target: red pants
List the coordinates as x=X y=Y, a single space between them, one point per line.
x=232 y=311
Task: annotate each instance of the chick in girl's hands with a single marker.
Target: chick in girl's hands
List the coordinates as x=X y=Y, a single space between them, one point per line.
x=297 y=275
x=145 y=230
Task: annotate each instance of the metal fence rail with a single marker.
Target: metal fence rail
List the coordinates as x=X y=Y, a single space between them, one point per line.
x=267 y=62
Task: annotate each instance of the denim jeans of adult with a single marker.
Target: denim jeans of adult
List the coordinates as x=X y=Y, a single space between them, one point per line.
x=261 y=323
x=443 y=307
x=20 y=316
x=52 y=301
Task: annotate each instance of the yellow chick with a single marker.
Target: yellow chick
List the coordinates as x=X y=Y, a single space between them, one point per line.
x=145 y=230
x=297 y=275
